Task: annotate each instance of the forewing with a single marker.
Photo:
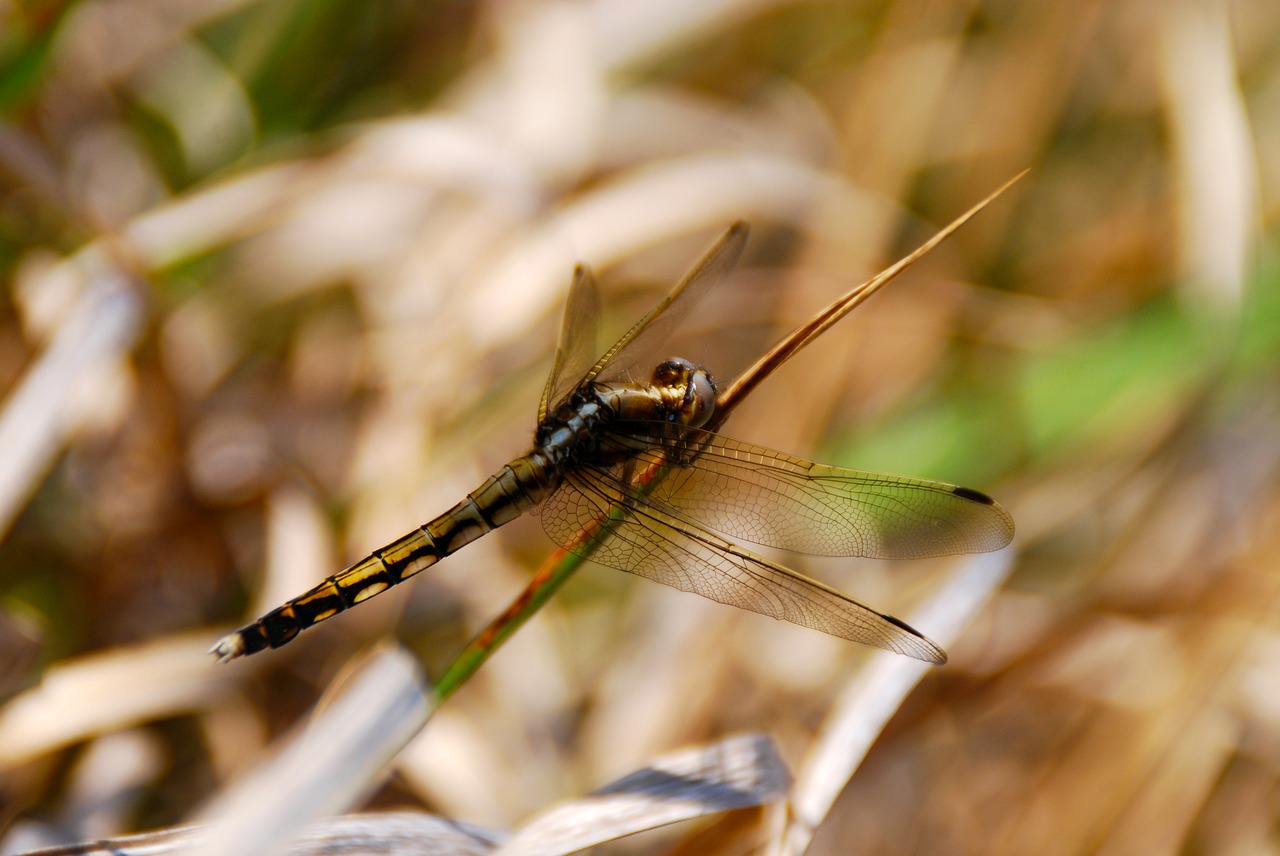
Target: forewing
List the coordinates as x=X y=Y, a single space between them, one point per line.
x=658 y=321
x=765 y=497
x=576 y=346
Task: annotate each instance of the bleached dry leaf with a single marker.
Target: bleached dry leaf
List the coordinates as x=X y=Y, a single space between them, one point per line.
x=328 y=765
x=875 y=693
x=400 y=833
x=740 y=772
x=109 y=691
x=101 y=327
x=736 y=773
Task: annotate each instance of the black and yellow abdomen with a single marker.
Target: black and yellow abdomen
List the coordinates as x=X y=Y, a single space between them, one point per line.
x=514 y=490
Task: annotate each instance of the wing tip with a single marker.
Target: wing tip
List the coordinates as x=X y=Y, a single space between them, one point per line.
x=1001 y=539
x=921 y=647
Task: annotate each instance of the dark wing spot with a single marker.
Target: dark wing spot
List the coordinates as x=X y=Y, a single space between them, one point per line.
x=898 y=622
x=935 y=655
x=973 y=495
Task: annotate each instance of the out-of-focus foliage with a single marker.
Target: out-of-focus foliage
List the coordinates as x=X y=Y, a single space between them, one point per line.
x=281 y=280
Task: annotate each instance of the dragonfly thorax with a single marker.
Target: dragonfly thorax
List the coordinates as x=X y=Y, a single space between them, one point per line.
x=679 y=393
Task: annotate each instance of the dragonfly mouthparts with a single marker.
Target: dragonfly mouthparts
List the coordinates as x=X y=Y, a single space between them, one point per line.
x=689 y=392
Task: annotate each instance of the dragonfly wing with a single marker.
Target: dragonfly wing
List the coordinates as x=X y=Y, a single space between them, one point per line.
x=657 y=322
x=577 y=343
x=766 y=497
x=678 y=553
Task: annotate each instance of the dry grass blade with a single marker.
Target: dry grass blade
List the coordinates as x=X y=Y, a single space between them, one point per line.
x=740 y=772
x=770 y=362
x=1215 y=159
x=105 y=692
x=101 y=326
x=327 y=767
x=870 y=700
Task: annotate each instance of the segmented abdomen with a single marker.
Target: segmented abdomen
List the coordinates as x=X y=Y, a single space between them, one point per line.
x=515 y=489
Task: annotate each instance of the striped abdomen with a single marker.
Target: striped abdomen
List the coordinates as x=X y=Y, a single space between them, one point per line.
x=515 y=489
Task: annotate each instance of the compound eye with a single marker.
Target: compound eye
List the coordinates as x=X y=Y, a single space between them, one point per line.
x=704 y=398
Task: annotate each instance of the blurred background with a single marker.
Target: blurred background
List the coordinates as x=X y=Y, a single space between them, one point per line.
x=281 y=281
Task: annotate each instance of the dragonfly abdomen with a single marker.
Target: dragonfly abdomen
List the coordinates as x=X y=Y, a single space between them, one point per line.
x=512 y=491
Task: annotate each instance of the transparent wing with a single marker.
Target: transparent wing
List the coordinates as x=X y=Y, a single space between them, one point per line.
x=765 y=497
x=576 y=346
x=657 y=323
x=674 y=551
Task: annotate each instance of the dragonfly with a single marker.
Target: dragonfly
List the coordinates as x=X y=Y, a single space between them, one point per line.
x=632 y=474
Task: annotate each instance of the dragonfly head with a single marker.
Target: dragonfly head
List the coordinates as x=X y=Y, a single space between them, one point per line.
x=688 y=392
